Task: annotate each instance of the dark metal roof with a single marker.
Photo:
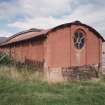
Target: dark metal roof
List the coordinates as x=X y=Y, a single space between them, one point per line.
x=32 y=33
x=3 y=39
x=24 y=32
x=24 y=36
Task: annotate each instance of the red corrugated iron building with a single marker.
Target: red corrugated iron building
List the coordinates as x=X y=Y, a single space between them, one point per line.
x=67 y=45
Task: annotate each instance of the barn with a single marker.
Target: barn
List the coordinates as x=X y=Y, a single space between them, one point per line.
x=58 y=49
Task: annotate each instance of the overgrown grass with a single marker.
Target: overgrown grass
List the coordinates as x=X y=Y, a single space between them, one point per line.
x=21 y=85
x=5 y=58
x=16 y=88
x=20 y=73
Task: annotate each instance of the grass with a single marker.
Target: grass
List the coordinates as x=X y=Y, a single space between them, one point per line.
x=20 y=72
x=21 y=90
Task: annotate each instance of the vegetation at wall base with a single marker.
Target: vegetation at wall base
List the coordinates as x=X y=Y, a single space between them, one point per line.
x=24 y=88
x=16 y=92
x=5 y=59
x=20 y=85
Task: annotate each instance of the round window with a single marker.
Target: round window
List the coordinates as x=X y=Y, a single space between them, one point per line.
x=79 y=39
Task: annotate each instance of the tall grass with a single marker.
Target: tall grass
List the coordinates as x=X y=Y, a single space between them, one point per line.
x=5 y=58
x=16 y=92
x=20 y=85
x=19 y=74
x=18 y=71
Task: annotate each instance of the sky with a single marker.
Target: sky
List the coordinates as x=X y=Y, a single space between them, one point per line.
x=20 y=15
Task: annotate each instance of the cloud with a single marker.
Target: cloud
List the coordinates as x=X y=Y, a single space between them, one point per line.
x=84 y=13
x=4 y=33
x=8 y=9
x=43 y=22
x=42 y=13
x=50 y=13
x=46 y=7
x=33 y=8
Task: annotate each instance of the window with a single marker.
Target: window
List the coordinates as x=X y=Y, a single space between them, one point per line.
x=79 y=39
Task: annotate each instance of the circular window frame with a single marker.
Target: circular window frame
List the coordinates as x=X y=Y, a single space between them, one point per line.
x=84 y=36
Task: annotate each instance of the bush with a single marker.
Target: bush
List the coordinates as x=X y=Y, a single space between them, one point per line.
x=103 y=77
x=5 y=58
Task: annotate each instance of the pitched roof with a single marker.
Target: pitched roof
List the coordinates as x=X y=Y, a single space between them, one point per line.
x=79 y=24
x=25 y=36
x=32 y=33
x=3 y=39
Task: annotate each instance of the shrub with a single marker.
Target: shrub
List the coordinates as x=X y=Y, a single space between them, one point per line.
x=103 y=77
x=5 y=58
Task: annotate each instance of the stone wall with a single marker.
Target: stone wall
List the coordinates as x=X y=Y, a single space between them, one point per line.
x=72 y=73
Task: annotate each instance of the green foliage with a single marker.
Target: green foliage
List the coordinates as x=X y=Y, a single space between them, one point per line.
x=5 y=58
x=14 y=92
x=102 y=77
x=18 y=88
x=16 y=73
x=26 y=67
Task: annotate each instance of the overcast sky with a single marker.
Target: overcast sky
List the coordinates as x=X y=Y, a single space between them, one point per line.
x=19 y=15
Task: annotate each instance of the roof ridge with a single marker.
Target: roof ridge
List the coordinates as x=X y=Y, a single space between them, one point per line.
x=45 y=32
